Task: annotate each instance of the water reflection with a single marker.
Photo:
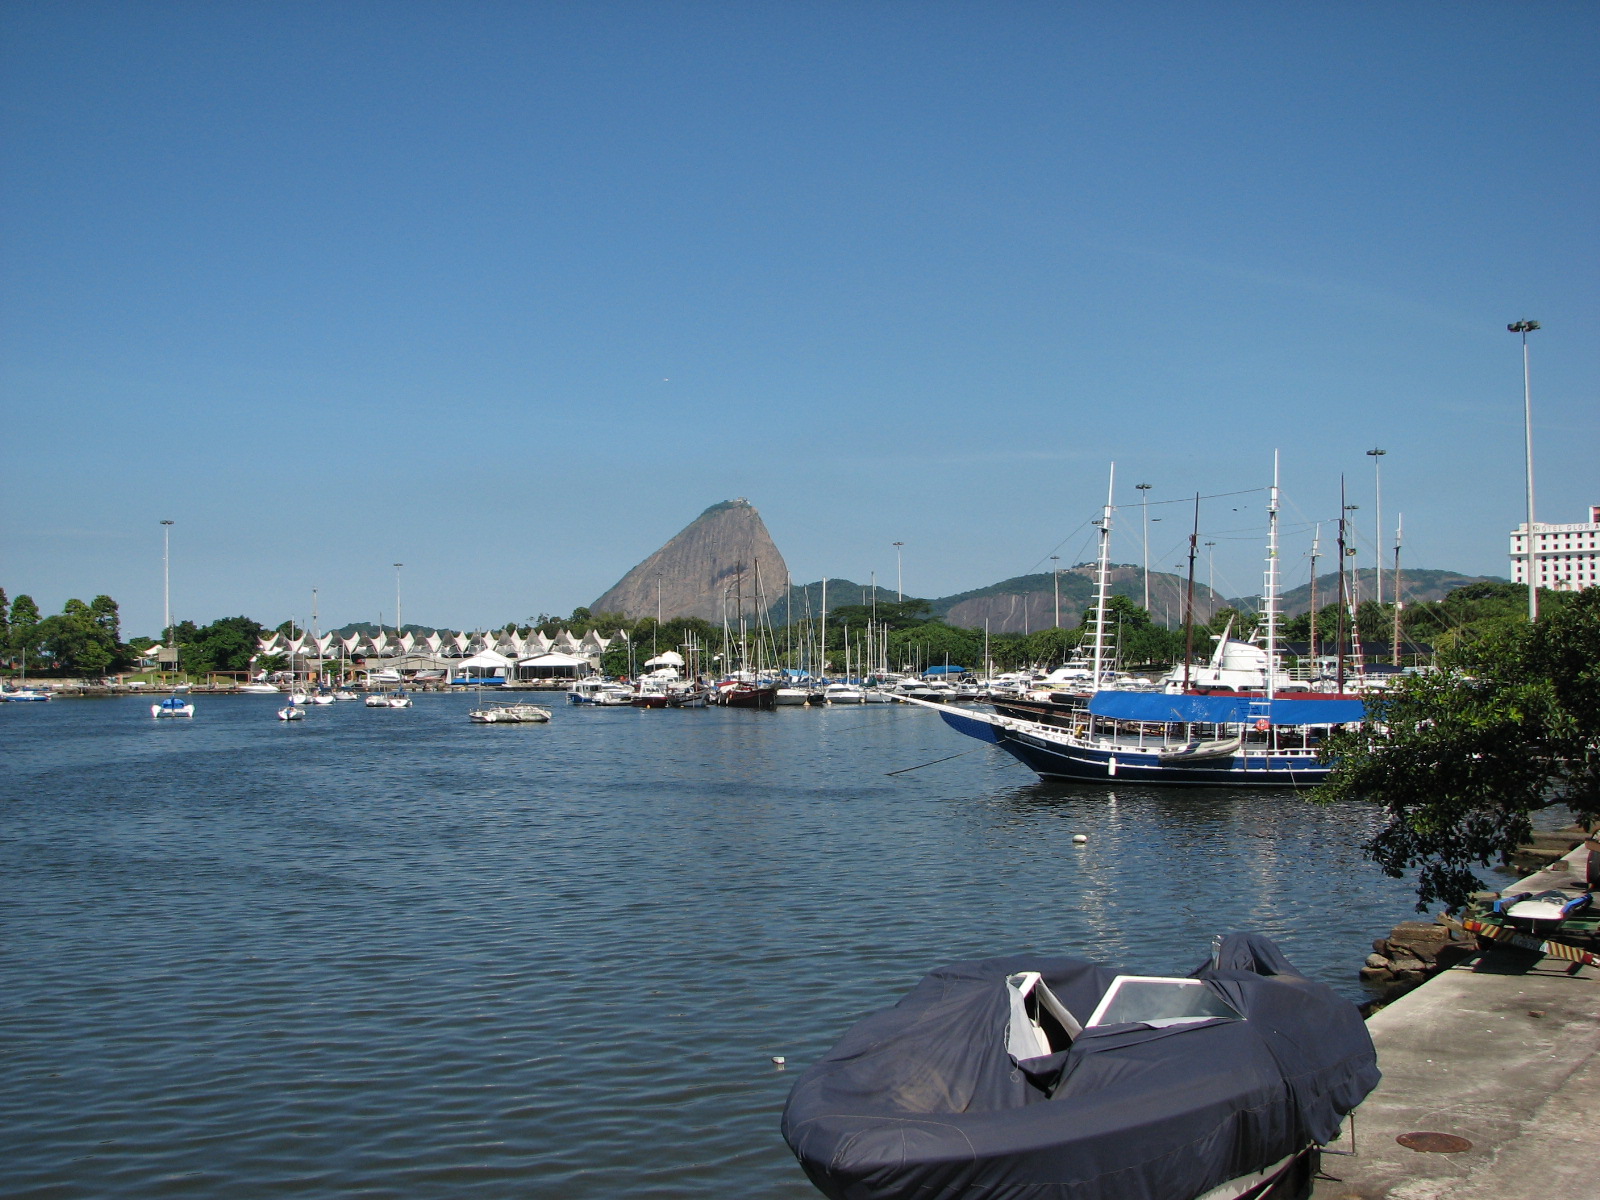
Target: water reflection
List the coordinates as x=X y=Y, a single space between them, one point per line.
x=396 y=953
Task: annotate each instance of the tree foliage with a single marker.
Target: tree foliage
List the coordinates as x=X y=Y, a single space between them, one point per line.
x=1462 y=759
x=227 y=644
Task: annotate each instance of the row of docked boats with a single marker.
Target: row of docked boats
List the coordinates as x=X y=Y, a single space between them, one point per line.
x=766 y=692
x=1237 y=721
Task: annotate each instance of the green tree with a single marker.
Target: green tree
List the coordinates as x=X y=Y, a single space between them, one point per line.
x=103 y=611
x=1462 y=759
x=23 y=640
x=896 y=614
x=228 y=644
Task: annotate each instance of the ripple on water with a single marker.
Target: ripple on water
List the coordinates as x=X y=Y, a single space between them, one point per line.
x=391 y=954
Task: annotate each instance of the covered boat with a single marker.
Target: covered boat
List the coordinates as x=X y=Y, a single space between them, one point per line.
x=1060 y=1079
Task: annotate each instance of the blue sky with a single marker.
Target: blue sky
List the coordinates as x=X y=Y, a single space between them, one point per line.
x=511 y=292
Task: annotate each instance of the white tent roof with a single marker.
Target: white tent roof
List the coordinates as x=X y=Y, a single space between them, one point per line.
x=669 y=658
x=485 y=658
x=553 y=660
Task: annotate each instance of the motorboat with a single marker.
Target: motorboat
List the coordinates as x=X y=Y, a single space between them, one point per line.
x=376 y=700
x=291 y=712
x=1539 y=912
x=509 y=714
x=322 y=698
x=345 y=694
x=791 y=697
x=259 y=689
x=25 y=695
x=172 y=706
x=694 y=698
x=602 y=693
x=843 y=693
x=397 y=700
x=1032 y=1076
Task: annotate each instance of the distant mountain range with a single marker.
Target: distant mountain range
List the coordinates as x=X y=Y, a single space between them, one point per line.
x=1025 y=603
x=723 y=552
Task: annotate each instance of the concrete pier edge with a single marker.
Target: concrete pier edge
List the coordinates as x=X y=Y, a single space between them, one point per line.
x=1502 y=1050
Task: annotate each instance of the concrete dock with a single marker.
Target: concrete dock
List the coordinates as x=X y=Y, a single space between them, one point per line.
x=1501 y=1054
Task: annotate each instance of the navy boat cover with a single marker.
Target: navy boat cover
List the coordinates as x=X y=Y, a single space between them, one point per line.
x=923 y=1100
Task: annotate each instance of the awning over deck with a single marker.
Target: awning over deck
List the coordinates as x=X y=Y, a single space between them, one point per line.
x=1221 y=710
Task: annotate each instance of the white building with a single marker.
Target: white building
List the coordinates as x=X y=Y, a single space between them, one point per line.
x=1567 y=557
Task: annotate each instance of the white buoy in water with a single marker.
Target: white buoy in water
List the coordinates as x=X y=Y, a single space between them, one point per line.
x=1079 y=839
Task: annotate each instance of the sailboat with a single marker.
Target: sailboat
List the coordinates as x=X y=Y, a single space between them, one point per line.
x=172 y=706
x=1187 y=738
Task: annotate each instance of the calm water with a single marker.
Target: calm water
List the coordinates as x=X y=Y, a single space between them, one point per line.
x=394 y=954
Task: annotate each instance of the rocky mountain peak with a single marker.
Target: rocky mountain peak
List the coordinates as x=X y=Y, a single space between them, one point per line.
x=725 y=550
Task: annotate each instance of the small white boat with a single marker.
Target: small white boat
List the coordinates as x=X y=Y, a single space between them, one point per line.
x=844 y=693
x=377 y=700
x=399 y=700
x=259 y=689
x=509 y=714
x=345 y=694
x=323 y=698
x=791 y=696
x=297 y=699
x=25 y=695
x=172 y=706
x=291 y=712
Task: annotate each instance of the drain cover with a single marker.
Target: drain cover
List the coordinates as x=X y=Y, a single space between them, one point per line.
x=1434 y=1143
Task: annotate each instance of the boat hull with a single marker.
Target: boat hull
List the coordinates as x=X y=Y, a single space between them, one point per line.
x=1054 y=760
x=1054 y=754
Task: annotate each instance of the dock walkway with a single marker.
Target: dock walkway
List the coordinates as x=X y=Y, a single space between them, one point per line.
x=1502 y=1051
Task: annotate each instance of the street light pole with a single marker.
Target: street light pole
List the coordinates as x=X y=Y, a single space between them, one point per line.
x=1056 y=573
x=1525 y=328
x=166 y=591
x=1378 y=519
x=899 y=585
x=1144 y=503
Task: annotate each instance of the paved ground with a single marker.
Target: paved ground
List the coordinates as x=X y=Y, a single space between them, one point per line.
x=1504 y=1051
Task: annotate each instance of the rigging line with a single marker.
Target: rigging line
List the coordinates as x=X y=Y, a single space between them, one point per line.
x=946 y=758
x=1187 y=500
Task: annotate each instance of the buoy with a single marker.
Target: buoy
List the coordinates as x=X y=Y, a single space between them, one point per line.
x=1079 y=839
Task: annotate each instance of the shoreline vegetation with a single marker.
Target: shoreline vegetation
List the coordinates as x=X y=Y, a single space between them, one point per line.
x=84 y=640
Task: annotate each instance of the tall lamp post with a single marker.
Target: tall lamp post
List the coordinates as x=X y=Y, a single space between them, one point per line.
x=1376 y=456
x=1144 y=504
x=899 y=587
x=166 y=592
x=1525 y=328
x=399 y=625
x=1056 y=573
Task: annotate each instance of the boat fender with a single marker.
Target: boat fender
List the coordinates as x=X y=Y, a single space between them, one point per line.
x=1262 y=725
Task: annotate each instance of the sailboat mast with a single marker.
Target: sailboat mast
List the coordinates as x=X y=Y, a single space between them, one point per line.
x=1103 y=583
x=1188 y=603
x=822 y=631
x=1272 y=582
x=1338 y=635
x=1316 y=553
